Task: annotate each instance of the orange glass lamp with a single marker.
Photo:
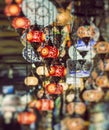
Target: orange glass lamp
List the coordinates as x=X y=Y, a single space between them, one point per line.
x=54 y=88
x=57 y=70
x=49 y=52
x=85 y=31
x=44 y=104
x=102 y=81
x=21 y=22
x=12 y=10
x=76 y=107
x=93 y=95
x=31 y=81
x=35 y=36
x=76 y=123
x=26 y=118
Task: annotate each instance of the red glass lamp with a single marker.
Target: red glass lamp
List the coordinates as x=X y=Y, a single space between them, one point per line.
x=26 y=118
x=35 y=36
x=49 y=52
x=21 y=22
x=57 y=70
x=54 y=88
x=44 y=104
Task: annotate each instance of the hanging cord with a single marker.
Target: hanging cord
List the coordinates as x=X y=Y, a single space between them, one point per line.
x=86 y=10
x=74 y=40
x=75 y=76
x=35 y=17
x=27 y=68
x=43 y=61
x=42 y=4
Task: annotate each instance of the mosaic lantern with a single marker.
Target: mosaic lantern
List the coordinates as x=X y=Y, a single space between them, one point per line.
x=26 y=118
x=57 y=70
x=21 y=22
x=49 y=52
x=44 y=104
x=31 y=81
x=35 y=36
x=12 y=10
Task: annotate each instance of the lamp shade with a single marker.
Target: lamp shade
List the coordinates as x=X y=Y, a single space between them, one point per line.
x=12 y=10
x=85 y=31
x=44 y=104
x=80 y=108
x=21 y=22
x=54 y=88
x=102 y=81
x=93 y=95
x=26 y=118
x=51 y=88
x=35 y=36
x=76 y=124
x=49 y=52
x=64 y=17
x=57 y=70
x=77 y=107
x=101 y=47
x=42 y=70
x=31 y=81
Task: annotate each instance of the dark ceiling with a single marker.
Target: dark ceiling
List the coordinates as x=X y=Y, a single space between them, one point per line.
x=11 y=60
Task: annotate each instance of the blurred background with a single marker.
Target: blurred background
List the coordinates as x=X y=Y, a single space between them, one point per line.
x=15 y=95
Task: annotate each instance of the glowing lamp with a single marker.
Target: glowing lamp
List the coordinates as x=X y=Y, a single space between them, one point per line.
x=42 y=70
x=93 y=95
x=49 y=52
x=80 y=108
x=64 y=18
x=85 y=31
x=76 y=123
x=31 y=81
x=44 y=104
x=12 y=10
x=102 y=81
x=26 y=118
x=57 y=70
x=77 y=107
x=21 y=22
x=35 y=36
x=70 y=97
x=101 y=47
x=51 y=88
x=54 y=88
